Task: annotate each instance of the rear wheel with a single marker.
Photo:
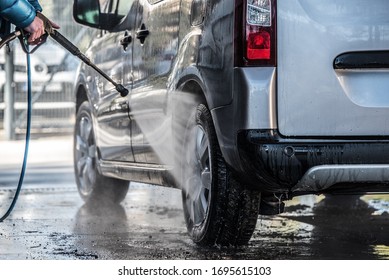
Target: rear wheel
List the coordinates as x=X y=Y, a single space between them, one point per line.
x=217 y=208
x=92 y=185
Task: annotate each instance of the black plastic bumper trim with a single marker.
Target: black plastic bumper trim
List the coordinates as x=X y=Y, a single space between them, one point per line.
x=277 y=164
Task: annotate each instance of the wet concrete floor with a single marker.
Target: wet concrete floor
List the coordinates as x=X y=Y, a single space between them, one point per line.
x=50 y=221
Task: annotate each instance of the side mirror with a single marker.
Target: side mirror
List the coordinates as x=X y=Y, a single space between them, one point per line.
x=88 y=12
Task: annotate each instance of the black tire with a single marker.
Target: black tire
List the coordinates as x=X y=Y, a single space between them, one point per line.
x=91 y=185
x=217 y=209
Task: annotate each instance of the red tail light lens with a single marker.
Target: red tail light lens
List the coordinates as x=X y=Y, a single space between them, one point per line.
x=258 y=33
x=258 y=45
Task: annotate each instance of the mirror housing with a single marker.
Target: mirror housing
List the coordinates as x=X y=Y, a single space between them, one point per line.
x=88 y=12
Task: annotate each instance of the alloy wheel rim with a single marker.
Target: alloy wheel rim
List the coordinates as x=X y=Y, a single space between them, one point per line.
x=85 y=156
x=198 y=179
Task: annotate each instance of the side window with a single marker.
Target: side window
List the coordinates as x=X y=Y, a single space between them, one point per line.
x=101 y=14
x=88 y=12
x=119 y=7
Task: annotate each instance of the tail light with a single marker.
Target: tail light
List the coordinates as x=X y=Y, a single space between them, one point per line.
x=255 y=25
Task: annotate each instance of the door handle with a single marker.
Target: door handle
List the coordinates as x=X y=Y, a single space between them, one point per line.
x=126 y=40
x=142 y=33
x=362 y=60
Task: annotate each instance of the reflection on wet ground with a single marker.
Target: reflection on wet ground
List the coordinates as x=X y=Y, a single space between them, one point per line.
x=53 y=223
x=347 y=227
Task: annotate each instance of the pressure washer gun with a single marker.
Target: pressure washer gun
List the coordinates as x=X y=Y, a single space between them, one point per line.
x=69 y=46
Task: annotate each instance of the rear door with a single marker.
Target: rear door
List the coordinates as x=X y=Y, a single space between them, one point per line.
x=154 y=48
x=314 y=97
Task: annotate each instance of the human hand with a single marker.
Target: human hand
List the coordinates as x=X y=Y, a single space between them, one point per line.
x=37 y=30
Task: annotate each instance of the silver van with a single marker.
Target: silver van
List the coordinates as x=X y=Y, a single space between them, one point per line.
x=255 y=101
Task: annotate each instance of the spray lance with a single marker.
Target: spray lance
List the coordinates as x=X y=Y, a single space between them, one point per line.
x=69 y=46
x=59 y=38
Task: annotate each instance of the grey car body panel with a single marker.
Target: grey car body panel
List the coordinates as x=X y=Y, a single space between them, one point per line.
x=254 y=90
x=151 y=67
x=216 y=53
x=110 y=109
x=311 y=34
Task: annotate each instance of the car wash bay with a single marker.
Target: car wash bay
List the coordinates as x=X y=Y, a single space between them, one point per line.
x=50 y=221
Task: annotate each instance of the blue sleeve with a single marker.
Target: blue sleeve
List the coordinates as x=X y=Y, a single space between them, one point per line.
x=19 y=12
x=36 y=5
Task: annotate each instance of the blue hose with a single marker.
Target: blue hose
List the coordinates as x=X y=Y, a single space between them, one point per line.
x=23 y=170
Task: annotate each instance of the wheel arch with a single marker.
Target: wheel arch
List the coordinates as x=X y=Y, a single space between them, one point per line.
x=81 y=96
x=193 y=84
x=81 y=88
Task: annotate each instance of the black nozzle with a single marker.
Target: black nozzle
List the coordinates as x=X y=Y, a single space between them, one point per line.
x=122 y=90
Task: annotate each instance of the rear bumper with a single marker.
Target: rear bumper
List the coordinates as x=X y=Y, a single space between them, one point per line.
x=301 y=166
x=251 y=145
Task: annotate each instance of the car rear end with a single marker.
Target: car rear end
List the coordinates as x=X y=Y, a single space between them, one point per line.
x=311 y=102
